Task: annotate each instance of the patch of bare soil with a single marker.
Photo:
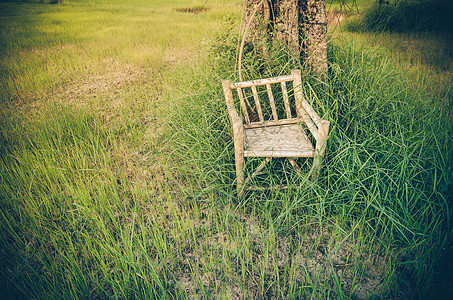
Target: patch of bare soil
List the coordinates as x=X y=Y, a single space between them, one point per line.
x=109 y=82
x=314 y=259
x=193 y=10
x=112 y=80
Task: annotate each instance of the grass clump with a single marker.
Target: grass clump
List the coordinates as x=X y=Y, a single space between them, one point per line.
x=405 y=16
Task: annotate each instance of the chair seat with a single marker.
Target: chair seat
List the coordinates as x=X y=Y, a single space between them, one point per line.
x=277 y=141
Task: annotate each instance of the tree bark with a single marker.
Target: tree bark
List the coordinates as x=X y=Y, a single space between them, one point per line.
x=314 y=27
x=299 y=24
x=286 y=24
x=257 y=23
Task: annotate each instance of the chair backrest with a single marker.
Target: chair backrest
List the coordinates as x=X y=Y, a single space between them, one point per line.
x=269 y=101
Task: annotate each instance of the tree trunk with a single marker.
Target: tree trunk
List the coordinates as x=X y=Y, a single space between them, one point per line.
x=299 y=24
x=314 y=27
x=286 y=24
x=257 y=22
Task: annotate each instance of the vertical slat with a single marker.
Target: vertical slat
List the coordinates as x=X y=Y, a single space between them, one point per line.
x=243 y=106
x=257 y=103
x=286 y=100
x=272 y=102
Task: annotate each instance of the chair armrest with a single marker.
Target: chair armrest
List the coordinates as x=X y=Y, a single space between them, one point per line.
x=308 y=121
x=320 y=130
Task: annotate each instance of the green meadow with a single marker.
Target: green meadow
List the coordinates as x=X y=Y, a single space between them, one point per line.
x=117 y=175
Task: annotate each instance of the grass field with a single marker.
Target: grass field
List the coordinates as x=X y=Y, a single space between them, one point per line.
x=117 y=165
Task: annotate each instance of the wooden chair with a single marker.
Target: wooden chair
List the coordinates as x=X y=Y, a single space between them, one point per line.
x=273 y=132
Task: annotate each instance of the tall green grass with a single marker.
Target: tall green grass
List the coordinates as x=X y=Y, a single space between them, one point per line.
x=388 y=167
x=82 y=190
x=117 y=165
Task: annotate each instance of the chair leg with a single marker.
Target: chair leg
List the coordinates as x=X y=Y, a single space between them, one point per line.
x=239 y=174
x=317 y=160
x=320 y=148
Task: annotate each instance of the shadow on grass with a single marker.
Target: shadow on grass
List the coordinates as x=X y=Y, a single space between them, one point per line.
x=406 y=16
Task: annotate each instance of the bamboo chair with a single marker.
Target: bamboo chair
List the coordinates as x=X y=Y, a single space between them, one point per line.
x=275 y=137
